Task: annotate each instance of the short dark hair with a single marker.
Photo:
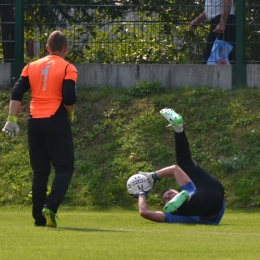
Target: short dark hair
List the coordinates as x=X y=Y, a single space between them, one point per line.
x=164 y=192
x=57 y=41
x=167 y=190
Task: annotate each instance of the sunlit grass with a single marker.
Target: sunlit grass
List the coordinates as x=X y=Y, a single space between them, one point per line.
x=118 y=132
x=120 y=234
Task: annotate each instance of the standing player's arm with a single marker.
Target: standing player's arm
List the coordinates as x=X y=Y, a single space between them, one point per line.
x=70 y=108
x=20 y=88
x=156 y=216
x=69 y=94
x=14 y=107
x=69 y=97
x=11 y=126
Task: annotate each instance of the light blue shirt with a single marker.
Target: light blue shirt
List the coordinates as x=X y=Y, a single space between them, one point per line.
x=193 y=219
x=213 y=8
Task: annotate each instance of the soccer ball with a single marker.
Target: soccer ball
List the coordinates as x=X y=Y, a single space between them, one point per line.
x=137 y=183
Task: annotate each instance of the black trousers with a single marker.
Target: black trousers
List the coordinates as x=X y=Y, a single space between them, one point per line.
x=50 y=144
x=229 y=36
x=208 y=198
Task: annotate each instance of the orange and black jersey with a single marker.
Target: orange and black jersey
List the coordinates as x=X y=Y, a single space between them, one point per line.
x=52 y=81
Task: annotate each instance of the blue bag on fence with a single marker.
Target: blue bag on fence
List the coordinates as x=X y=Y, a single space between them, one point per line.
x=219 y=53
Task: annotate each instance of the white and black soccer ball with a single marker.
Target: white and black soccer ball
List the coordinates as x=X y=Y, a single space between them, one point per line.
x=137 y=183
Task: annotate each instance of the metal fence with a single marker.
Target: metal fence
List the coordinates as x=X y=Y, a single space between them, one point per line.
x=117 y=33
x=252 y=32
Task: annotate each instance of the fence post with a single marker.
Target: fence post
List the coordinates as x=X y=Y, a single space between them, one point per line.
x=239 y=70
x=18 y=64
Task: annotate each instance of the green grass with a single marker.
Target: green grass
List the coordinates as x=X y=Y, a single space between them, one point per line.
x=121 y=234
x=119 y=132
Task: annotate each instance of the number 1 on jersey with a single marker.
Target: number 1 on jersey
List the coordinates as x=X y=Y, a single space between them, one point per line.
x=45 y=72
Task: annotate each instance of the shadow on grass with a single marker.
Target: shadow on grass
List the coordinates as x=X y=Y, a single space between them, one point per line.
x=91 y=229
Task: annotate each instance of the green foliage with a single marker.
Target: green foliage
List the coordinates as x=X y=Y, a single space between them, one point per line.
x=130 y=32
x=148 y=40
x=118 y=132
x=145 y=88
x=1 y=52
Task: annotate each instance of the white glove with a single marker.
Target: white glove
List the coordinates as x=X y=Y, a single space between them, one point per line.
x=149 y=175
x=11 y=128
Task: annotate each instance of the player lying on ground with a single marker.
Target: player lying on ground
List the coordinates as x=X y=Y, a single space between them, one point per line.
x=204 y=202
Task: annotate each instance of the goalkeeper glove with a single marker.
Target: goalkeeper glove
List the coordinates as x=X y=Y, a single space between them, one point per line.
x=145 y=193
x=71 y=116
x=152 y=177
x=11 y=126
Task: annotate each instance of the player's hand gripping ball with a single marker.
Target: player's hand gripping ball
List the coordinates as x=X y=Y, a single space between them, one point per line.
x=137 y=183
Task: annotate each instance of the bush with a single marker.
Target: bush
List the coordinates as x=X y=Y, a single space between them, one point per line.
x=146 y=88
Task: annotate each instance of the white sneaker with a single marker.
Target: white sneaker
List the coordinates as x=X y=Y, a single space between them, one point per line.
x=172 y=117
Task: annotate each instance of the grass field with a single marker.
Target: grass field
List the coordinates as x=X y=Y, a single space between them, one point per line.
x=120 y=234
x=118 y=132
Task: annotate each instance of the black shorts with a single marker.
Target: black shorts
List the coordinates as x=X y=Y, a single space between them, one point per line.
x=209 y=195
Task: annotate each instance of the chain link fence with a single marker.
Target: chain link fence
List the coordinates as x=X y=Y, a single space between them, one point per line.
x=119 y=33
